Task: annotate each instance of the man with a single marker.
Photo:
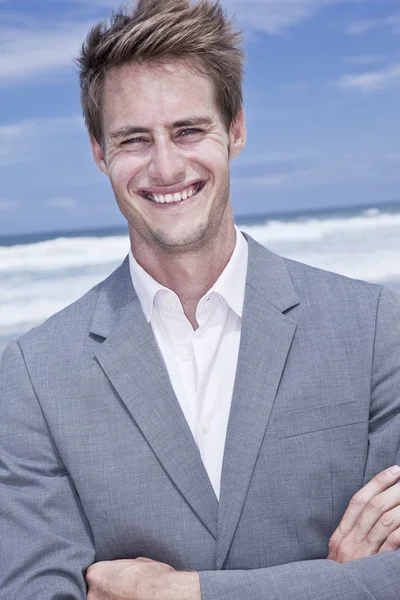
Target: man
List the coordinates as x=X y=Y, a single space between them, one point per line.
x=196 y=425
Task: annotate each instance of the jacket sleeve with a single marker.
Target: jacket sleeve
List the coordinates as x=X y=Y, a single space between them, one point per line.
x=45 y=540
x=373 y=578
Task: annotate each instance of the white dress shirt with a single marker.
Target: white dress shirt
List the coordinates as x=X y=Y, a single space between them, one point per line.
x=201 y=364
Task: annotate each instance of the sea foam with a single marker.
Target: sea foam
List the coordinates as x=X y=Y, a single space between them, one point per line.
x=37 y=280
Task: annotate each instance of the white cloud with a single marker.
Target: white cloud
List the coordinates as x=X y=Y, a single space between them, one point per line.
x=263 y=180
x=360 y=27
x=18 y=141
x=7 y=204
x=273 y=16
x=63 y=203
x=391 y=22
x=28 y=52
x=271 y=158
x=45 y=126
x=371 y=81
x=393 y=157
x=105 y=3
x=348 y=165
x=366 y=59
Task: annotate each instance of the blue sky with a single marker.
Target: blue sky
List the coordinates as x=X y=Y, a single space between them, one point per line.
x=322 y=97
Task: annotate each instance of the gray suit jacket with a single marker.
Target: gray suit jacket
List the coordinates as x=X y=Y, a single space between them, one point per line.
x=97 y=461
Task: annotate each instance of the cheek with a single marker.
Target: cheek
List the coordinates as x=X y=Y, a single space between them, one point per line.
x=214 y=160
x=123 y=171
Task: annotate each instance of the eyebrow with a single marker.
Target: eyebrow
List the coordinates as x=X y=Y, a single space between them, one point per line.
x=133 y=129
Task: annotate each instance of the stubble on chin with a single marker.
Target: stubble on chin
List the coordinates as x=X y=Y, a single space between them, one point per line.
x=186 y=241
x=189 y=238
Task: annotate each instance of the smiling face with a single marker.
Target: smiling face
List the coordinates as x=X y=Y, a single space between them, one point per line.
x=167 y=154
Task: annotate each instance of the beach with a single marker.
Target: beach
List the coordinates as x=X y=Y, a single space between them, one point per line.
x=41 y=274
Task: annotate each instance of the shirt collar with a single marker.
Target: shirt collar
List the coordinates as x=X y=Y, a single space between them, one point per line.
x=230 y=285
x=145 y=286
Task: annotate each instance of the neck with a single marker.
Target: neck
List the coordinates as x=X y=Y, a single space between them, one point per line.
x=190 y=275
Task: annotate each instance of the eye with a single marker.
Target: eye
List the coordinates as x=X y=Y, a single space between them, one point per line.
x=137 y=140
x=191 y=131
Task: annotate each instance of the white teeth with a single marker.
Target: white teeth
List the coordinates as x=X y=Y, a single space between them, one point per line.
x=178 y=197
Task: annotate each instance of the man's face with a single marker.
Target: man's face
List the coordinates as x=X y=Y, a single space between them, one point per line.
x=167 y=152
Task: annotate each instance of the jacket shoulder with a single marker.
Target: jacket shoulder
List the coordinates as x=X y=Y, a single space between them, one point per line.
x=312 y=282
x=71 y=324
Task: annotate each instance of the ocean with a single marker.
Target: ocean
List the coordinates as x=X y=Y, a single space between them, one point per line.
x=41 y=274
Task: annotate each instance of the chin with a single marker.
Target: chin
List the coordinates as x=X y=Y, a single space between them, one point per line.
x=181 y=240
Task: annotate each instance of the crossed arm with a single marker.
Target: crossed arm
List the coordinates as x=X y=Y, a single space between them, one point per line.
x=370 y=525
x=369 y=530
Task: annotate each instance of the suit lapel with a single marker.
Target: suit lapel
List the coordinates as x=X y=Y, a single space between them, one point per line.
x=131 y=360
x=265 y=343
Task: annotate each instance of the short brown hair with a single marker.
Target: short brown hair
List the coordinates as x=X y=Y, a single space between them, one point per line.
x=198 y=34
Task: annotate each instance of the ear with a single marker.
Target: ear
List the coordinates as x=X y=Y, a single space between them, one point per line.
x=98 y=155
x=237 y=135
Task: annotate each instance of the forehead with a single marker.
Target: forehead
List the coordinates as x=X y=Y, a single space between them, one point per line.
x=155 y=94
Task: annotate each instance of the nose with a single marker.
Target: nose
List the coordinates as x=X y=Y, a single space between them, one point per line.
x=167 y=165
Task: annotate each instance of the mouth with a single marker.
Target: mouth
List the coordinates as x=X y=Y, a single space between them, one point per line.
x=176 y=198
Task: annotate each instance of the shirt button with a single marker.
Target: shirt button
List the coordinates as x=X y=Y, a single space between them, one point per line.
x=185 y=354
x=205 y=426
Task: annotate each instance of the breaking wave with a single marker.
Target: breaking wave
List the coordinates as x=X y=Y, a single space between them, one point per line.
x=38 y=279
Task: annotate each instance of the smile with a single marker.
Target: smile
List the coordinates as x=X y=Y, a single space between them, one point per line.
x=178 y=196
